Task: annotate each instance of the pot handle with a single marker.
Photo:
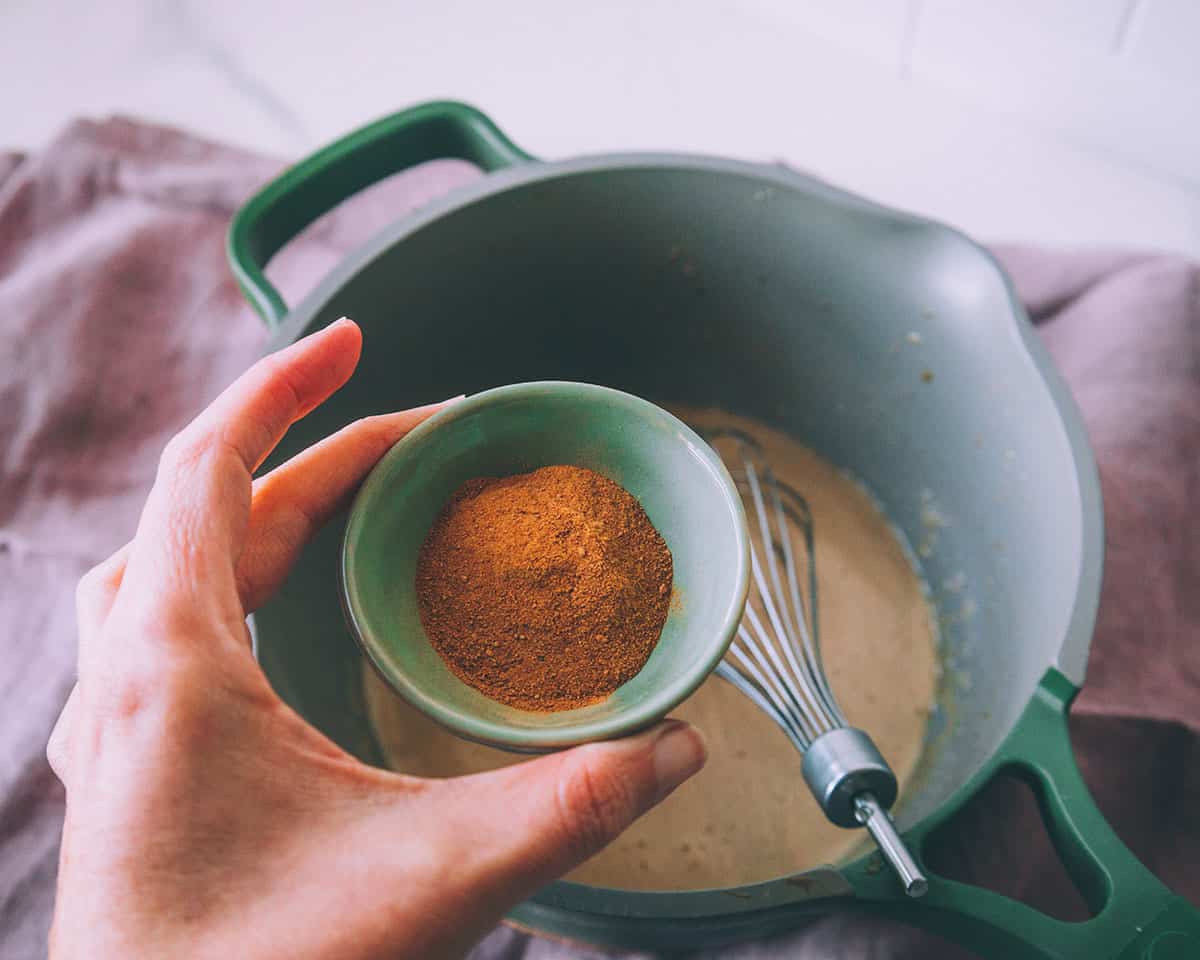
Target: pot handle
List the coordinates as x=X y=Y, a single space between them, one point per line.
x=1135 y=916
x=315 y=185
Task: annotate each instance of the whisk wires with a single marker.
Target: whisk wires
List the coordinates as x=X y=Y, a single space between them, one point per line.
x=775 y=659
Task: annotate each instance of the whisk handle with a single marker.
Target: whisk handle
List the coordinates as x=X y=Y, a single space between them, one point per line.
x=855 y=787
x=844 y=764
x=874 y=817
x=1134 y=915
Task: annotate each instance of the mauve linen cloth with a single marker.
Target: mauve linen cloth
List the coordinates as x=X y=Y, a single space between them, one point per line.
x=119 y=319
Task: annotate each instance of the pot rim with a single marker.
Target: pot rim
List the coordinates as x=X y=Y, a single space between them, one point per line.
x=1071 y=656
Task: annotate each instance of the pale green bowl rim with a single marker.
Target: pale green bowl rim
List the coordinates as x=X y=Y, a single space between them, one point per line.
x=633 y=717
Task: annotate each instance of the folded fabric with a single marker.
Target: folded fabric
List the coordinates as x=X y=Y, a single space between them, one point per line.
x=119 y=319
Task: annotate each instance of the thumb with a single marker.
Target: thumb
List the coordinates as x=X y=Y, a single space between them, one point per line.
x=527 y=824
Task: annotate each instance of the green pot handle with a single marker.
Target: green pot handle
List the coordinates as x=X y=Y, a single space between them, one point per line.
x=1135 y=916
x=299 y=195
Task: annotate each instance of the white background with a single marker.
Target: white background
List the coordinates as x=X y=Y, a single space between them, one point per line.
x=1067 y=122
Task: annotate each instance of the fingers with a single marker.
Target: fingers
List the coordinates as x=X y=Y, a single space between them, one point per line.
x=525 y=825
x=95 y=593
x=255 y=411
x=294 y=500
x=192 y=528
x=57 y=752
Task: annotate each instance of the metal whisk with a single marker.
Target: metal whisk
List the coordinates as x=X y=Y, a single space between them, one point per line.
x=775 y=660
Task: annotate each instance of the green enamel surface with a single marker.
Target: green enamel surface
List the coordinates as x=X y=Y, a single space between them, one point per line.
x=892 y=346
x=1132 y=910
x=679 y=481
x=320 y=182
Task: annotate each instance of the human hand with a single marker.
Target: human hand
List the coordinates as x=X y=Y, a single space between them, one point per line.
x=204 y=817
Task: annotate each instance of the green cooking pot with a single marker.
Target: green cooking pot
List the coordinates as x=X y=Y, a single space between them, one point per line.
x=892 y=346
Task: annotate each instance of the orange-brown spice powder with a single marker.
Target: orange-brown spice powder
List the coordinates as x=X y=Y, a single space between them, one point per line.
x=546 y=590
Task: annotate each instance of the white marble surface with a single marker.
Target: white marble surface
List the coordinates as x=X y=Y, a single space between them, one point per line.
x=1067 y=122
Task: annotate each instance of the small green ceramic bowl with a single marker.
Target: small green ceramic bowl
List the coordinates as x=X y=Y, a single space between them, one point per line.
x=680 y=482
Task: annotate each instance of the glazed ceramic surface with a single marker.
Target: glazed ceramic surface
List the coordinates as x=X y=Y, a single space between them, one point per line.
x=679 y=481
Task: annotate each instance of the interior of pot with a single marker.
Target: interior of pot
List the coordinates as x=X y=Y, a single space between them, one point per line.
x=889 y=346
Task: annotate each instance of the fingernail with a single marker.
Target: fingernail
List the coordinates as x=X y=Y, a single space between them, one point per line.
x=679 y=752
x=328 y=328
